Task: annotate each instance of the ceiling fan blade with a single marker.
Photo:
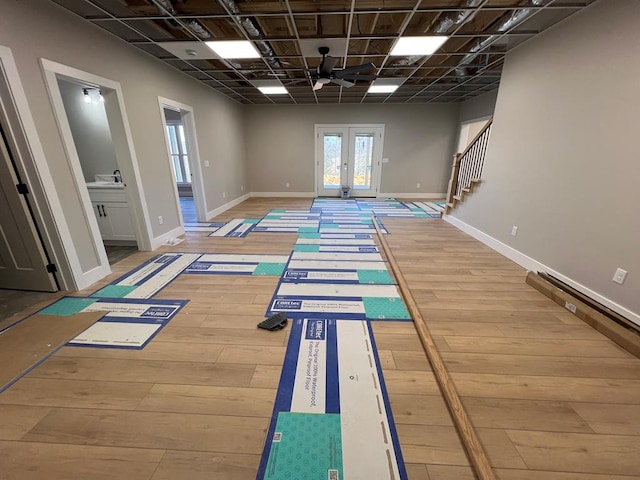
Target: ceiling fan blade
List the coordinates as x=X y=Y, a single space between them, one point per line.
x=343 y=83
x=355 y=69
x=318 y=86
x=358 y=77
x=326 y=67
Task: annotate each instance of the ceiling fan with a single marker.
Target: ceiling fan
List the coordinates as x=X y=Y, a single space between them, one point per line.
x=326 y=74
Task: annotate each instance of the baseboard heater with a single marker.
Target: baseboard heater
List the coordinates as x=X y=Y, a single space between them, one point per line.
x=611 y=324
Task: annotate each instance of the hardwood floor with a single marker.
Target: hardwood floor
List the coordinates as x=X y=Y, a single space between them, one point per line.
x=551 y=398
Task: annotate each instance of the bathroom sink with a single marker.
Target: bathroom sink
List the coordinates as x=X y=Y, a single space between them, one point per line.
x=102 y=184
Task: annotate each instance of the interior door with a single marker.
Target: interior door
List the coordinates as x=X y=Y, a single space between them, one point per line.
x=23 y=262
x=349 y=156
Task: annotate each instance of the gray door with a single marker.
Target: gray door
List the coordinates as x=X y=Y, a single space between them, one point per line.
x=23 y=261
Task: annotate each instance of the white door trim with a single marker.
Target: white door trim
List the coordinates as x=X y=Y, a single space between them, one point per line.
x=48 y=209
x=197 y=183
x=126 y=158
x=345 y=126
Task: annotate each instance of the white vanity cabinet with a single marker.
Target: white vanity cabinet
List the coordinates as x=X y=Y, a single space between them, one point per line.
x=112 y=212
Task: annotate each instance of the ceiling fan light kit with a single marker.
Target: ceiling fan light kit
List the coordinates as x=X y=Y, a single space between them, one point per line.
x=325 y=73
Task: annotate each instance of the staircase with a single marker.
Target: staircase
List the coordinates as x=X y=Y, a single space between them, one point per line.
x=466 y=173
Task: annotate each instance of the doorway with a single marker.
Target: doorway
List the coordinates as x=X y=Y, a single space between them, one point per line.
x=101 y=174
x=348 y=156
x=182 y=150
x=90 y=263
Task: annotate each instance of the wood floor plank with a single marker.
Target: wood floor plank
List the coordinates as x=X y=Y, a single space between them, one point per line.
x=499 y=413
x=220 y=336
x=79 y=394
x=16 y=420
x=441 y=445
x=538 y=387
x=251 y=402
x=417 y=471
x=610 y=418
x=411 y=360
x=156 y=350
x=594 y=367
x=144 y=371
x=252 y=355
x=37 y=461
x=571 y=348
x=410 y=382
x=266 y=376
x=206 y=466
x=576 y=452
x=171 y=431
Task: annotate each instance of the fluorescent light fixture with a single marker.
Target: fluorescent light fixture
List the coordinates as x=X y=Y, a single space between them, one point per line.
x=234 y=49
x=273 y=90
x=417 y=45
x=386 y=85
x=382 y=88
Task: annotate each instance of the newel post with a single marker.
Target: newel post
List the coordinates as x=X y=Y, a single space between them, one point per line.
x=453 y=182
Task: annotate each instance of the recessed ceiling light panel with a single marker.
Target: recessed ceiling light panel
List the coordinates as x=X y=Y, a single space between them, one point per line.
x=234 y=49
x=273 y=90
x=382 y=88
x=417 y=45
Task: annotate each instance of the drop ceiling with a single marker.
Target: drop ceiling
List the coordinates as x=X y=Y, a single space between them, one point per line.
x=287 y=33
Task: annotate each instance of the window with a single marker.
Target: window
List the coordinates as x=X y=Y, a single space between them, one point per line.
x=179 y=157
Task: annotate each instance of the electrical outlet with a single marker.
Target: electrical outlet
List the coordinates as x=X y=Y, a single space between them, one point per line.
x=619 y=276
x=287 y=184
x=224 y=194
x=160 y=219
x=242 y=188
x=417 y=185
x=206 y=163
x=514 y=231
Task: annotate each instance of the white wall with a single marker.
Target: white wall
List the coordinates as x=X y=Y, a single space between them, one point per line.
x=90 y=130
x=563 y=162
x=34 y=29
x=419 y=141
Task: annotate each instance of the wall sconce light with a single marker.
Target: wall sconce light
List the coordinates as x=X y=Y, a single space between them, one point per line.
x=87 y=98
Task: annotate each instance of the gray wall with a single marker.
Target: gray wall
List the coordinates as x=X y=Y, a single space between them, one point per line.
x=478 y=107
x=419 y=141
x=563 y=161
x=90 y=131
x=143 y=79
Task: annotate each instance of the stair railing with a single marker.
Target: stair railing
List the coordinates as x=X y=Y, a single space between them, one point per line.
x=467 y=166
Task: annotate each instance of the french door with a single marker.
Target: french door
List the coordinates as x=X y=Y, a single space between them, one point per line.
x=349 y=156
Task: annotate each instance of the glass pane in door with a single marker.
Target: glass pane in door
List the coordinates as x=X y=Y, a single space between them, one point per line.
x=363 y=160
x=332 y=161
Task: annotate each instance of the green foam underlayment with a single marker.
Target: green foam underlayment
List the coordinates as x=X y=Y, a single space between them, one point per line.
x=68 y=306
x=310 y=235
x=307 y=229
x=374 y=276
x=273 y=269
x=306 y=248
x=251 y=220
x=380 y=307
x=306 y=445
x=114 y=291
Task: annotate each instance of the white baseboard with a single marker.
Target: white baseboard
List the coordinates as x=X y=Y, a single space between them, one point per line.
x=165 y=237
x=283 y=194
x=534 y=265
x=412 y=195
x=227 y=206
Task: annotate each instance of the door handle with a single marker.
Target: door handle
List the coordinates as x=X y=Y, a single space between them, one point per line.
x=104 y=212
x=98 y=207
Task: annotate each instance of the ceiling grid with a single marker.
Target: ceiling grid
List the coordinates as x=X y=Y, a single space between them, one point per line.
x=287 y=34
